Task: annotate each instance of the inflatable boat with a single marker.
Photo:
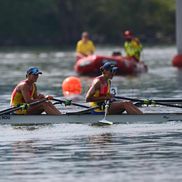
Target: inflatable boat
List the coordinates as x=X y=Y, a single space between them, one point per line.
x=90 y=65
x=177 y=61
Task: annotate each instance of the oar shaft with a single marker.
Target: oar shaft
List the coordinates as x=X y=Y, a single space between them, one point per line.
x=72 y=103
x=6 y=110
x=149 y=101
x=10 y=110
x=171 y=100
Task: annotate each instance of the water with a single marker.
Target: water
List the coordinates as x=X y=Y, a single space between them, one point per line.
x=80 y=152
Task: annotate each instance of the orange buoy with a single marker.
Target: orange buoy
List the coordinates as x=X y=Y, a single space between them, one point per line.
x=71 y=86
x=177 y=61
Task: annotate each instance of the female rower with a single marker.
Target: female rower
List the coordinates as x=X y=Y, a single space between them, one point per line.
x=99 y=92
x=26 y=92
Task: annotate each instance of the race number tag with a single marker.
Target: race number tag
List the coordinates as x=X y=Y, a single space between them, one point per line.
x=114 y=90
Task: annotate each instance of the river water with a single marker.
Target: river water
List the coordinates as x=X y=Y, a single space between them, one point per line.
x=79 y=152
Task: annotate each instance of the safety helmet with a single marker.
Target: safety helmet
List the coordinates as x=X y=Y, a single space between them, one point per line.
x=128 y=34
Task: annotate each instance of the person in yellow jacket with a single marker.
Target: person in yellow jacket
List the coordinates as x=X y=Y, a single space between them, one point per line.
x=26 y=92
x=85 y=46
x=132 y=45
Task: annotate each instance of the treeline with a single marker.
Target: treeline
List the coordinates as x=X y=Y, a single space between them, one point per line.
x=60 y=22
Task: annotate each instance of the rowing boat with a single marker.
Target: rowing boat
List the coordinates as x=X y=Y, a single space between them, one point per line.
x=81 y=117
x=88 y=119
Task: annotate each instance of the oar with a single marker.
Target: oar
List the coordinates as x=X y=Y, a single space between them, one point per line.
x=88 y=109
x=169 y=101
x=69 y=102
x=148 y=102
x=23 y=106
x=103 y=121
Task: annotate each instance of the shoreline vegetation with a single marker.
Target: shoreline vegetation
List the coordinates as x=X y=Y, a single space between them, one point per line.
x=59 y=23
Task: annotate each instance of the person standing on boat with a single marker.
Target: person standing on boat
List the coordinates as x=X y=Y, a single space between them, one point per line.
x=132 y=45
x=99 y=92
x=85 y=46
x=26 y=92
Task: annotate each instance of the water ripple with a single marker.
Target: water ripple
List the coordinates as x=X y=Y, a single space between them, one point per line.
x=74 y=152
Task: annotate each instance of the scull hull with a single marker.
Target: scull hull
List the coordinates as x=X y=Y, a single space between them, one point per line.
x=89 y=119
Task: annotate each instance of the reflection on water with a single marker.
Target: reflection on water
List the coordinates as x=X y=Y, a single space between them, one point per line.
x=140 y=152
x=70 y=152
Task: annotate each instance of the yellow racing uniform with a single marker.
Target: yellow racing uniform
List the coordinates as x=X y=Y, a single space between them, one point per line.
x=17 y=99
x=104 y=91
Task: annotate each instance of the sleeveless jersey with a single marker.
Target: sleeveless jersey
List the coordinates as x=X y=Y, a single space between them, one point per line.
x=103 y=91
x=17 y=98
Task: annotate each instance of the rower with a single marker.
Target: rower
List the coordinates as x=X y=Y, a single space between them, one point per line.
x=26 y=92
x=99 y=92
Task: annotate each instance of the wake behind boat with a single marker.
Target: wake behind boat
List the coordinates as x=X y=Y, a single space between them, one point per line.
x=76 y=118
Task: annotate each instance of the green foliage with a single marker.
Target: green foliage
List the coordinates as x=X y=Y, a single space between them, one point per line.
x=27 y=22
x=60 y=22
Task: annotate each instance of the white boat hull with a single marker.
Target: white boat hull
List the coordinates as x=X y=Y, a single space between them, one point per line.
x=89 y=119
